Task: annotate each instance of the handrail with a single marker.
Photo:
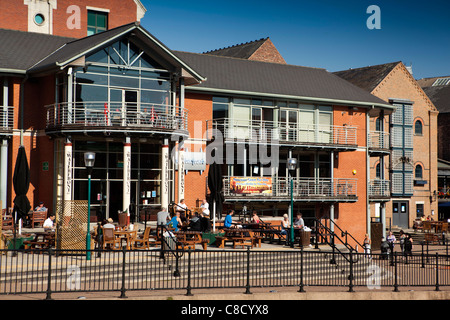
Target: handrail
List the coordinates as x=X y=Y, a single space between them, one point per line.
x=332 y=243
x=175 y=252
x=262 y=130
x=346 y=233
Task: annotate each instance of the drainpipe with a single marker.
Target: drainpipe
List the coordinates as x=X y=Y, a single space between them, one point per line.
x=367 y=172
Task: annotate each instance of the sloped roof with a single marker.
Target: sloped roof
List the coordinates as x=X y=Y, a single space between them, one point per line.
x=233 y=75
x=20 y=50
x=242 y=51
x=367 y=78
x=35 y=53
x=440 y=96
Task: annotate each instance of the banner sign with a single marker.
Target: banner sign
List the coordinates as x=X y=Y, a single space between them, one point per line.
x=251 y=185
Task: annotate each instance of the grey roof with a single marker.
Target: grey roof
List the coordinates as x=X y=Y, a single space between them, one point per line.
x=242 y=51
x=440 y=96
x=233 y=75
x=20 y=50
x=35 y=53
x=367 y=78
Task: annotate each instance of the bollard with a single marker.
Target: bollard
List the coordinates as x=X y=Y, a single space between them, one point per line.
x=395 y=274
x=437 y=272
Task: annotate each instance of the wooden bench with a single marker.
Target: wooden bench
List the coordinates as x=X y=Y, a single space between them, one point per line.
x=242 y=241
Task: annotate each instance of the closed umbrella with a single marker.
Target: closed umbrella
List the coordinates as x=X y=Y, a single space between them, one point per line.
x=215 y=185
x=21 y=183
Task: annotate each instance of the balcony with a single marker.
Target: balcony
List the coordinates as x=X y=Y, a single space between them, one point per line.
x=379 y=143
x=91 y=117
x=298 y=134
x=379 y=190
x=6 y=120
x=304 y=190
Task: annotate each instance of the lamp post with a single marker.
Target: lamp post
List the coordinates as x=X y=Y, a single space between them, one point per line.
x=89 y=159
x=292 y=165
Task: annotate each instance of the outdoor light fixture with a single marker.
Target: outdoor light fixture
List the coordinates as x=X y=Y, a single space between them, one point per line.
x=292 y=165
x=89 y=159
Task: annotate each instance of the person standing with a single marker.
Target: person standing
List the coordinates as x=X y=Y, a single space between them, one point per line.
x=162 y=217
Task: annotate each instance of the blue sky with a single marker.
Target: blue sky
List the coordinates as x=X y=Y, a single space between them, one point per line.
x=325 y=34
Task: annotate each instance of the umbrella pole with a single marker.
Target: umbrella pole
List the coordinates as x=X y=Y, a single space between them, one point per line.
x=214 y=216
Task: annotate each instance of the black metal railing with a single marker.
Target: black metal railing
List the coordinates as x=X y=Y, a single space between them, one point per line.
x=54 y=271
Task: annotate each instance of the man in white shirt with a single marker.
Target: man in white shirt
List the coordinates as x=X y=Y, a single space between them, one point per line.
x=205 y=207
x=48 y=223
x=109 y=224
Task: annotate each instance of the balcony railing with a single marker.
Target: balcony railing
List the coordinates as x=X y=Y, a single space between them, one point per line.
x=379 y=140
x=379 y=189
x=286 y=133
x=6 y=120
x=116 y=116
x=304 y=189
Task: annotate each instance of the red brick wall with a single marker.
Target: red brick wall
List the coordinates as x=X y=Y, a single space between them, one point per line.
x=14 y=15
x=267 y=53
x=351 y=216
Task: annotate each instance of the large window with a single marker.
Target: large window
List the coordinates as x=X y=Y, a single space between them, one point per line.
x=113 y=72
x=97 y=22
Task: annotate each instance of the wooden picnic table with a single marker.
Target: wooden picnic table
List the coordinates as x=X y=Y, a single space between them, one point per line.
x=190 y=238
x=239 y=237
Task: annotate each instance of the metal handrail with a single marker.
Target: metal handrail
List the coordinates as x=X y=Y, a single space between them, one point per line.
x=104 y=114
x=379 y=140
x=262 y=130
x=379 y=187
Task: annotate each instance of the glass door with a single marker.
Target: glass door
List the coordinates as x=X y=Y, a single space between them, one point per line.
x=289 y=124
x=123 y=107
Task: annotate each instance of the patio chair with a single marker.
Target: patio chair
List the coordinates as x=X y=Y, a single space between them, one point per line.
x=38 y=217
x=426 y=226
x=110 y=239
x=143 y=242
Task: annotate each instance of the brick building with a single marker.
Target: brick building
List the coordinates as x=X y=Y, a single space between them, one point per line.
x=407 y=166
x=99 y=81
x=438 y=89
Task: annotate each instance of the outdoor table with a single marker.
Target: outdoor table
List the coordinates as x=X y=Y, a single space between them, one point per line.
x=127 y=235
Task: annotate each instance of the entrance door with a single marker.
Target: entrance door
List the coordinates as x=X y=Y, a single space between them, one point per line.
x=400 y=214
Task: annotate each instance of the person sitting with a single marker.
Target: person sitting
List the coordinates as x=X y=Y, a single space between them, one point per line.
x=40 y=207
x=229 y=223
x=48 y=223
x=109 y=224
x=299 y=223
x=285 y=224
x=195 y=223
x=175 y=222
x=255 y=218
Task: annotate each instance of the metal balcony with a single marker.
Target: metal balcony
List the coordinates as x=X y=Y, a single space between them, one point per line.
x=304 y=189
x=379 y=142
x=115 y=117
x=379 y=189
x=6 y=120
x=299 y=134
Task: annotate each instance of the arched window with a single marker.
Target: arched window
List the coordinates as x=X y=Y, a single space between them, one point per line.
x=379 y=124
x=418 y=128
x=378 y=171
x=419 y=172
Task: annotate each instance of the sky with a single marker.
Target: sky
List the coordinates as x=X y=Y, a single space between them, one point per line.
x=333 y=35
